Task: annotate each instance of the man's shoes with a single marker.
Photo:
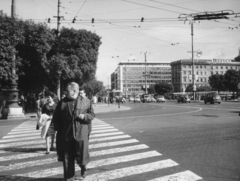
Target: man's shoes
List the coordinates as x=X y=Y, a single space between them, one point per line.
x=78 y=178
x=52 y=149
x=83 y=171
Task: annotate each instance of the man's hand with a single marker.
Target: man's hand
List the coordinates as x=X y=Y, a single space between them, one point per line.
x=81 y=116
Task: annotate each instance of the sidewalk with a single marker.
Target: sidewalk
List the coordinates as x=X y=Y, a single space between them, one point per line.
x=98 y=108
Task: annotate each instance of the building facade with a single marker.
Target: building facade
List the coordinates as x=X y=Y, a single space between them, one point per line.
x=203 y=69
x=129 y=77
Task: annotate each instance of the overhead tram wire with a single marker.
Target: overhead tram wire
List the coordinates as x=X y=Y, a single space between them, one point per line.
x=42 y=7
x=183 y=8
x=151 y=6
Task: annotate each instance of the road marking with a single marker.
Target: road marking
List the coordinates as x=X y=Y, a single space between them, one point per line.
x=122 y=159
x=118 y=150
x=105 y=130
x=130 y=150
x=109 y=138
x=129 y=171
x=23 y=156
x=107 y=127
x=98 y=163
x=4 y=140
x=21 y=143
x=22 y=135
x=21 y=132
x=105 y=134
x=182 y=176
x=115 y=143
x=28 y=164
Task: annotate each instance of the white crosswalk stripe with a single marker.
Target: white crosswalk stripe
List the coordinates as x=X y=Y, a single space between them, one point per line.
x=22 y=156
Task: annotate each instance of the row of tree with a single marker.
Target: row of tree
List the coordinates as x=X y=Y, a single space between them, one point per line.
x=43 y=57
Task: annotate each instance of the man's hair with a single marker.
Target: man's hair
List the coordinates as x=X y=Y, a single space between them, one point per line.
x=73 y=86
x=82 y=89
x=49 y=93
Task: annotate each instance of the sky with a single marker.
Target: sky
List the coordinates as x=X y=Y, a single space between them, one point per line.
x=131 y=28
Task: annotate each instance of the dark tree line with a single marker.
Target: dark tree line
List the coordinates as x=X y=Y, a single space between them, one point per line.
x=42 y=58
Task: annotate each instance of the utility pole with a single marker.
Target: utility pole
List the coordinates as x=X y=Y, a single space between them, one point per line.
x=193 y=76
x=145 y=58
x=203 y=16
x=57 y=34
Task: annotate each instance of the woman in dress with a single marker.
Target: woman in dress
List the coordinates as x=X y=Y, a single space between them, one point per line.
x=49 y=109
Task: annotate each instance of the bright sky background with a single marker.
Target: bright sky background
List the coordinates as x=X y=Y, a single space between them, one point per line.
x=161 y=34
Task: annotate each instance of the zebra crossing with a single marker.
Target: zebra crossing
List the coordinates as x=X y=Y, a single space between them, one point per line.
x=114 y=155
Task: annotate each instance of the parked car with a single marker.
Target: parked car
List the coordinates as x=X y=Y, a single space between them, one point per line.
x=131 y=98
x=212 y=99
x=183 y=99
x=161 y=99
x=137 y=99
x=152 y=99
x=145 y=98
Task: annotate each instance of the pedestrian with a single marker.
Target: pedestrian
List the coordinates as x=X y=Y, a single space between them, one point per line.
x=38 y=108
x=71 y=119
x=49 y=109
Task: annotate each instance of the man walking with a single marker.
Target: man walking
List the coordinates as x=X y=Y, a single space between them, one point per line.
x=72 y=118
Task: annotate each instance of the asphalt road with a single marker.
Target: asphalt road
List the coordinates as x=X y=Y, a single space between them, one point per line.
x=149 y=142
x=204 y=139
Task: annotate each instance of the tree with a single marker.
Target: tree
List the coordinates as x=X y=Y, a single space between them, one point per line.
x=163 y=87
x=151 y=90
x=81 y=49
x=204 y=88
x=189 y=88
x=216 y=81
x=93 y=87
x=34 y=69
x=237 y=59
x=11 y=34
x=231 y=78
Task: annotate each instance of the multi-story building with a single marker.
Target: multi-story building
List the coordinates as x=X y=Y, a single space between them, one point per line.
x=203 y=68
x=129 y=77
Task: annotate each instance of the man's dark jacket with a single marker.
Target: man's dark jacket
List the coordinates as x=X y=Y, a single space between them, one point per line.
x=69 y=126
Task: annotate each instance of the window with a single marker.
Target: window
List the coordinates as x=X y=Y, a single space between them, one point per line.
x=226 y=67
x=221 y=67
x=200 y=66
x=184 y=72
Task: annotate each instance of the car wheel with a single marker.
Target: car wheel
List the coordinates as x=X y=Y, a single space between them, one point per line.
x=219 y=103
x=205 y=102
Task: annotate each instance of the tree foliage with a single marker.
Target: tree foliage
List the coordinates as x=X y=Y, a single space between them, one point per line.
x=93 y=87
x=151 y=89
x=189 y=88
x=237 y=59
x=163 y=87
x=216 y=81
x=231 y=78
x=42 y=58
x=204 y=88
x=11 y=34
x=80 y=47
x=34 y=68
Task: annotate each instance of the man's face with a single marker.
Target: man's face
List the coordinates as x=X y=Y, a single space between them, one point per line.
x=72 y=94
x=82 y=94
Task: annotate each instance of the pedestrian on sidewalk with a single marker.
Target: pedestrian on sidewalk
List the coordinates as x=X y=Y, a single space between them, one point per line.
x=49 y=109
x=71 y=119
